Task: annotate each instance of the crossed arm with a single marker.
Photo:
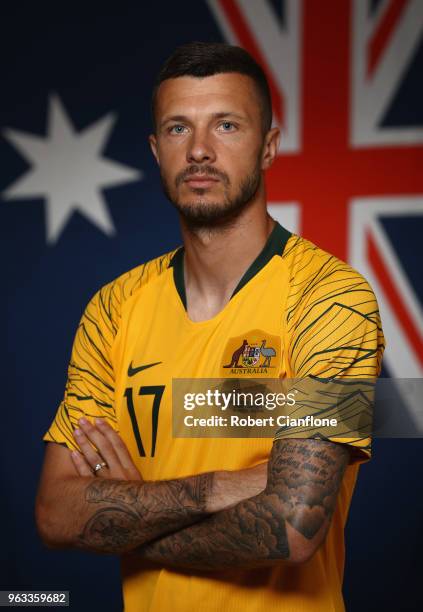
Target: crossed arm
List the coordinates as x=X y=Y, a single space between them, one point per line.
x=288 y=520
x=117 y=511
x=206 y=521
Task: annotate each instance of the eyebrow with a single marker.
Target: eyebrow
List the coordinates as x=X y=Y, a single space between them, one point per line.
x=219 y=115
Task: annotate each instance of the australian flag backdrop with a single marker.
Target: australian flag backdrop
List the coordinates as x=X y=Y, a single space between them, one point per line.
x=81 y=202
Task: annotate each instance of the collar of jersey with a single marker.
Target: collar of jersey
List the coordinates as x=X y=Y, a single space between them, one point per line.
x=275 y=245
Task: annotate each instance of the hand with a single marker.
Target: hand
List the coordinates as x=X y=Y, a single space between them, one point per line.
x=111 y=450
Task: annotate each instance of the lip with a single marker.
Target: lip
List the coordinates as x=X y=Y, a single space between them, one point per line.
x=200 y=181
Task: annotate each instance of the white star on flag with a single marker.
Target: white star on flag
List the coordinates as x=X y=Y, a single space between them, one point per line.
x=68 y=170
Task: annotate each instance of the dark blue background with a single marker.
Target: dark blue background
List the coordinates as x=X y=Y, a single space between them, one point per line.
x=98 y=64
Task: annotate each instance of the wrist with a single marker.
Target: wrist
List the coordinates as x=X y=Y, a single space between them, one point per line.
x=231 y=487
x=218 y=497
x=199 y=491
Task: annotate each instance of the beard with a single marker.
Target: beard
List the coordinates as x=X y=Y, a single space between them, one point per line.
x=207 y=214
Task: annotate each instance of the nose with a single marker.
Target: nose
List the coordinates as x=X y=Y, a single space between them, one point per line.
x=200 y=148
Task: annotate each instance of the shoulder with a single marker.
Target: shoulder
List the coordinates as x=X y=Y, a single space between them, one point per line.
x=305 y=259
x=105 y=307
x=332 y=315
x=129 y=283
x=318 y=276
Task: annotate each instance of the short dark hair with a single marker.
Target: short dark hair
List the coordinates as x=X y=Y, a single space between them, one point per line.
x=202 y=59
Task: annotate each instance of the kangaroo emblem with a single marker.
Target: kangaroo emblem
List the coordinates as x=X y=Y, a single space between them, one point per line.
x=236 y=355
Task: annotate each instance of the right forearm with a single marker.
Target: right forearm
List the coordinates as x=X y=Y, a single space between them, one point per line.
x=114 y=516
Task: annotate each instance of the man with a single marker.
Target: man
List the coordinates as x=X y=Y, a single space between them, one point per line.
x=215 y=523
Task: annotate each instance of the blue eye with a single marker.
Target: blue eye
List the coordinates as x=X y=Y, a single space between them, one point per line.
x=177 y=129
x=227 y=125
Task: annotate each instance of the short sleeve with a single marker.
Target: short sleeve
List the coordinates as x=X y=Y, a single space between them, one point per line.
x=90 y=382
x=334 y=333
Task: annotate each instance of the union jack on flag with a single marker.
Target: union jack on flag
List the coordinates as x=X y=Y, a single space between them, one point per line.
x=334 y=70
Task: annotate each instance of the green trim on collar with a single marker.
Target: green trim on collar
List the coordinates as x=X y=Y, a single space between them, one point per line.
x=275 y=245
x=177 y=263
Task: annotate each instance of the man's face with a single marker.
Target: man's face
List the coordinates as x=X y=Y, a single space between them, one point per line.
x=209 y=145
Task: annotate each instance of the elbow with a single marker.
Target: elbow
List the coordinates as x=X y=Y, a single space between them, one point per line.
x=296 y=555
x=301 y=543
x=302 y=555
x=301 y=548
x=44 y=525
x=47 y=526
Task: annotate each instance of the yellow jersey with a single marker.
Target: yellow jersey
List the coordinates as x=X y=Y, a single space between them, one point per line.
x=316 y=313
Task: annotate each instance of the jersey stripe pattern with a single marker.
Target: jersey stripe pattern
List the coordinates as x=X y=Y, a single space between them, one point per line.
x=333 y=326
x=90 y=386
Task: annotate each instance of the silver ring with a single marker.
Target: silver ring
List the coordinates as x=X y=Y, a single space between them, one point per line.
x=99 y=466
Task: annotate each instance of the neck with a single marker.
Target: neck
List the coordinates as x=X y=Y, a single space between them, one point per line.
x=216 y=259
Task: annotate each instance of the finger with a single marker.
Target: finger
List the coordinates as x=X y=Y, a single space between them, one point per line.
x=117 y=443
x=88 y=452
x=81 y=464
x=105 y=449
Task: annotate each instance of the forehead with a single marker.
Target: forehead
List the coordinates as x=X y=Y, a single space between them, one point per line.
x=229 y=92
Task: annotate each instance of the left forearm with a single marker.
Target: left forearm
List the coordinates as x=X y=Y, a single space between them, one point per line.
x=248 y=535
x=287 y=521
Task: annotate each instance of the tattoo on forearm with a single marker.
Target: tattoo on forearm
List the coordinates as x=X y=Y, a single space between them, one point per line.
x=137 y=512
x=307 y=477
x=109 y=529
x=112 y=491
x=303 y=481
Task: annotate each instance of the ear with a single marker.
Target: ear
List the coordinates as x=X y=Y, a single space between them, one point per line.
x=153 y=145
x=270 y=147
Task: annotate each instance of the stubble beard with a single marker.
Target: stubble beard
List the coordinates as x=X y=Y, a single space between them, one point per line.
x=207 y=215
